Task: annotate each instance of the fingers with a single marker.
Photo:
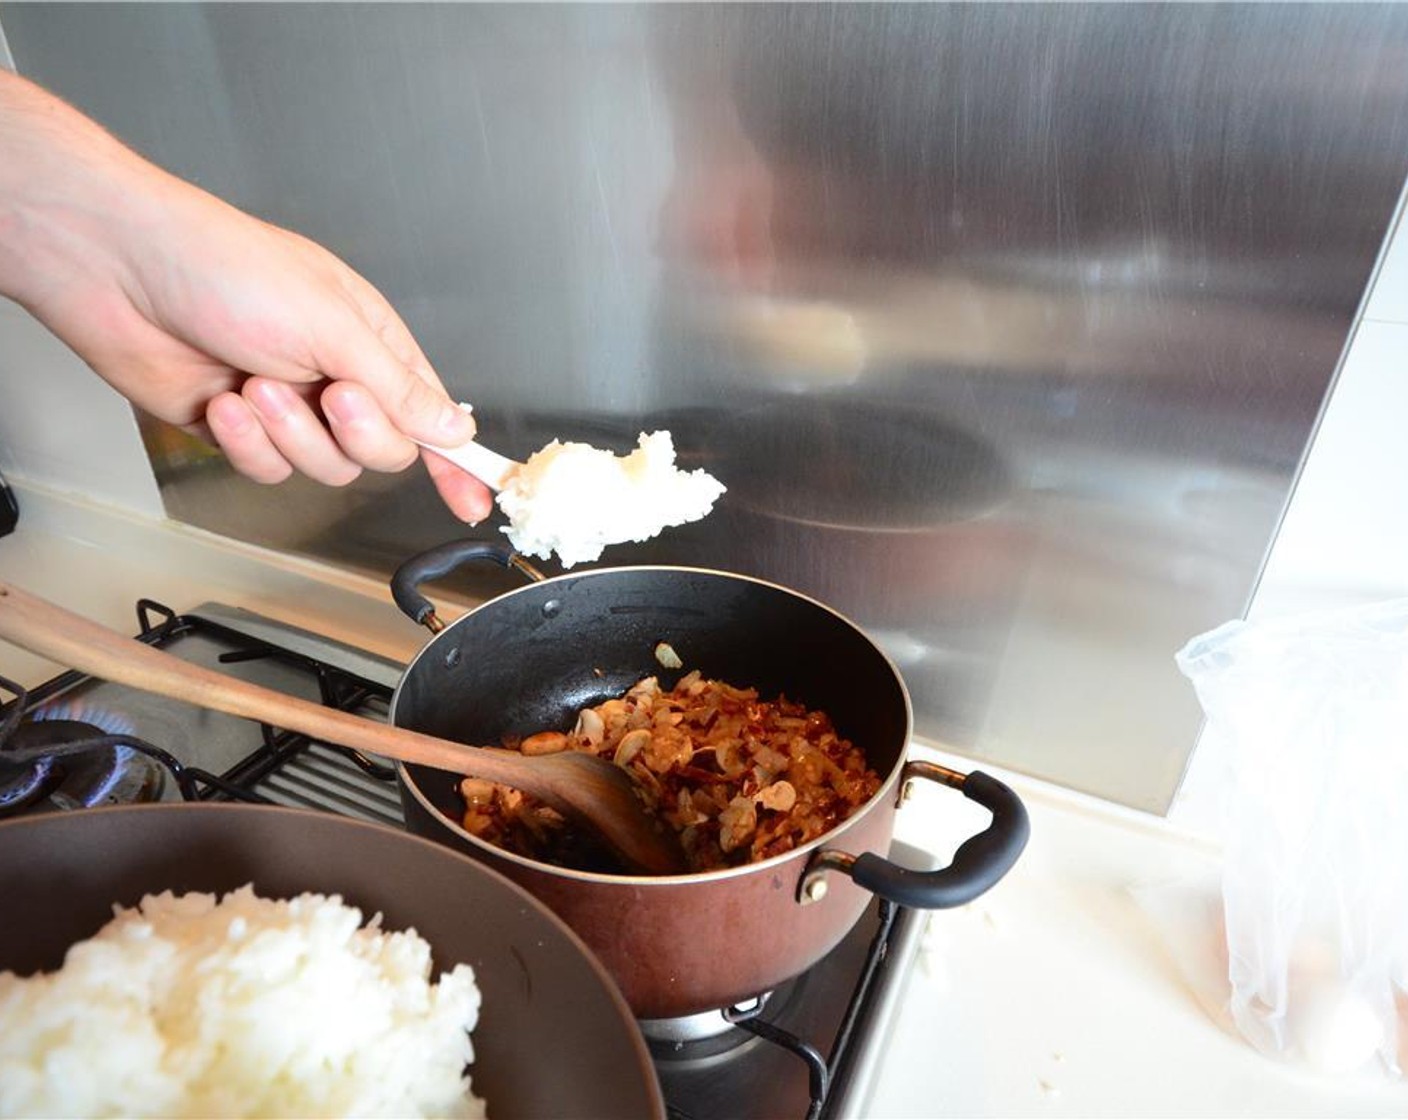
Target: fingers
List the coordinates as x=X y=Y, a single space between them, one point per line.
x=363 y=430
x=402 y=384
x=365 y=433
x=467 y=497
x=298 y=433
x=234 y=426
x=268 y=431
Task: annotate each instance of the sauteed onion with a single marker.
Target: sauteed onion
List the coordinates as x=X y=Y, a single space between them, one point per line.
x=740 y=778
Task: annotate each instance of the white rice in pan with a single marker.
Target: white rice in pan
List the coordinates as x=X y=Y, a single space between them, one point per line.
x=242 y=1006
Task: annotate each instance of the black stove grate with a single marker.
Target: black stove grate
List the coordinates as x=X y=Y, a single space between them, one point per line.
x=291 y=769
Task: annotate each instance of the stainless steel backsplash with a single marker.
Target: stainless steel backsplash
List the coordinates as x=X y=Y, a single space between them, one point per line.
x=1006 y=326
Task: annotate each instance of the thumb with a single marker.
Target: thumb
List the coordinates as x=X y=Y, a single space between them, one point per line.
x=417 y=407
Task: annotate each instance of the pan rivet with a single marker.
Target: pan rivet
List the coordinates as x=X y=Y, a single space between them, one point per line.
x=452 y=658
x=552 y=607
x=815 y=890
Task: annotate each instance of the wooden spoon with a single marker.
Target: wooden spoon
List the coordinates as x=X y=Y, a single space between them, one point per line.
x=590 y=791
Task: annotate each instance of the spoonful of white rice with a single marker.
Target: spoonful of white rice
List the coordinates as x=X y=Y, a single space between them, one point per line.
x=573 y=499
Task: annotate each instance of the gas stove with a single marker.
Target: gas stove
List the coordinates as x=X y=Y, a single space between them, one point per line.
x=810 y=1048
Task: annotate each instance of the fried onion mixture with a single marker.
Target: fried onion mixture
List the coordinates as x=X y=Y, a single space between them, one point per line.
x=739 y=778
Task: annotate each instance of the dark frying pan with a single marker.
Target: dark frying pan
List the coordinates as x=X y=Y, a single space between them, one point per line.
x=555 y=1038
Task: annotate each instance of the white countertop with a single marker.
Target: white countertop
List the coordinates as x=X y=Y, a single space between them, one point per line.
x=1053 y=995
x=1058 y=994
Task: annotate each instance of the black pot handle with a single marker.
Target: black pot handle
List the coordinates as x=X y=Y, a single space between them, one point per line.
x=978 y=864
x=440 y=561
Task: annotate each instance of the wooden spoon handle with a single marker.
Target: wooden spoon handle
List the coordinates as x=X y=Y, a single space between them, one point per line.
x=52 y=631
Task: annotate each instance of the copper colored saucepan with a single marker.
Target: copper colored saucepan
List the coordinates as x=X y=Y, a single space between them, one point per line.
x=681 y=944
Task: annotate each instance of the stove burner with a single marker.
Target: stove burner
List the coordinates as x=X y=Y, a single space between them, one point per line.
x=702 y=1035
x=67 y=757
x=100 y=721
x=697 y=1046
x=22 y=784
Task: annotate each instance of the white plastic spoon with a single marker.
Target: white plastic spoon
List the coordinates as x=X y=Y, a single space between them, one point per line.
x=491 y=468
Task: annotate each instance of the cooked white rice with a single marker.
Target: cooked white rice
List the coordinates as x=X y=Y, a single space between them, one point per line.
x=573 y=499
x=245 y=1006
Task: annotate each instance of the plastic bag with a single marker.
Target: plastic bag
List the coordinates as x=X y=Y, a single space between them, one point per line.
x=1308 y=717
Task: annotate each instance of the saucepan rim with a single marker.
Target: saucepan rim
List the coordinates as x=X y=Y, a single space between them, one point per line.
x=798 y=855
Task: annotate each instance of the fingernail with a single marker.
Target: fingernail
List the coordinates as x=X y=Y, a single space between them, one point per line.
x=273 y=400
x=342 y=407
x=231 y=413
x=457 y=423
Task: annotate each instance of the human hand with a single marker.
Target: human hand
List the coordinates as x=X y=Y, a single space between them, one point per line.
x=211 y=319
